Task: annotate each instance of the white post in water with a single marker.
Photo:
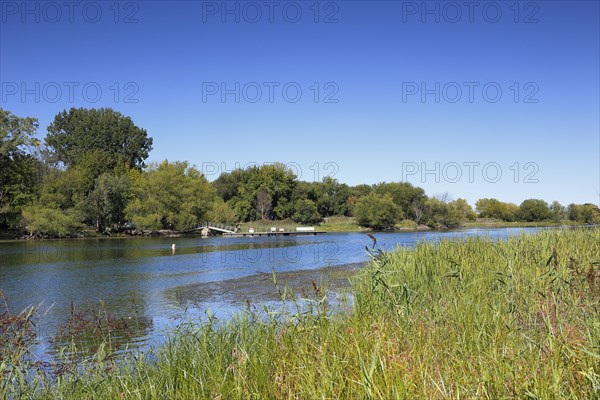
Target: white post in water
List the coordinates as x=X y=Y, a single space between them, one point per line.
x=173 y=248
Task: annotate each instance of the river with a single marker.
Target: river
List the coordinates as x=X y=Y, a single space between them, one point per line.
x=145 y=280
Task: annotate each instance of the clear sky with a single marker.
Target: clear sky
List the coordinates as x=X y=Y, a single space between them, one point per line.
x=489 y=99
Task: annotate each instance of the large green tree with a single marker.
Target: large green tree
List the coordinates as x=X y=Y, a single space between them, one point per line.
x=60 y=208
x=493 y=208
x=108 y=134
x=404 y=194
x=332 y=197
x=586 y=213
x=228 y=184
x=533 y=210
x=169 y=196
x=18 y=167
x=107 y=202
x=557 y=211
x=258 y=192
x=447 y=214
x=377 y=212
x=305 y=212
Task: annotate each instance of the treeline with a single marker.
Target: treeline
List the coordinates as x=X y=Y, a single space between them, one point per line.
x=90 y=173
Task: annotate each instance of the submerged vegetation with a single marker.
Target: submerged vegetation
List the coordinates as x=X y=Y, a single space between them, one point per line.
x=463 y=318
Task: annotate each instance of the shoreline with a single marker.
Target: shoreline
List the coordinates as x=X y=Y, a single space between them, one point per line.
x=11 y=236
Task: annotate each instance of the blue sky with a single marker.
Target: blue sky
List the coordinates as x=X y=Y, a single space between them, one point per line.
x=365 y=91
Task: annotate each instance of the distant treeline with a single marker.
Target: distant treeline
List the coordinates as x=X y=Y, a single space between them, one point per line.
x=90 y=172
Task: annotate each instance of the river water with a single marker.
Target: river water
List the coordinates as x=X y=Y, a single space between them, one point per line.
x=144 y=279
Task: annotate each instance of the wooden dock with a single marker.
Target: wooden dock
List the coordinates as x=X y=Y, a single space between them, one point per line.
x=259 y=234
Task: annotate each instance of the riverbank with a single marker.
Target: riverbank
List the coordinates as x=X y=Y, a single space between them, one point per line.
x=329 y=225
x=349 y=224
x=470 y=318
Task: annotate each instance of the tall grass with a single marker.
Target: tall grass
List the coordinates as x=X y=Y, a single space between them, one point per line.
x=464 y=318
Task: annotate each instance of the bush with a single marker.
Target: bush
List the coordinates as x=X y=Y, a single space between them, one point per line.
x=306 y=212
x=43 y=220
x=377 y=212
x=533 y=210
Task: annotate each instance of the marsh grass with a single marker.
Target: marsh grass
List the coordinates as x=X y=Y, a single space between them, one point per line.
x=463 y=318
x=340 y=224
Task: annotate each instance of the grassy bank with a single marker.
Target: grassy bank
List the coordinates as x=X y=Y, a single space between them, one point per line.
x=519 y=224
x=469 y=318
x=330 y=224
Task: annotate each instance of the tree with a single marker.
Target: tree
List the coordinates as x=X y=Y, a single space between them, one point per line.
x=80 y=131
x=220 y=212
x=306 y=212
x=228 y=185
x=16 y=133
x=462 y=207
x=361 y=190
x=533 y=210
x=285 y=209
x=243 y=209
x=377 y=212
x=436 y=213
x=557 y=211
x=18 y=167
x=61 y=207
x=585 y=213
x=404 y=194
x=108 y=200
x=332 y=197
x=51 y=221
x=417 y=209
x=169 y=196
x=264 y=203
x=492 y=208
x=268 y=189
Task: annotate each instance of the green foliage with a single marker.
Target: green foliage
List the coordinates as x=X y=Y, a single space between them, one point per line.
x=220 y=212
x=435 y=212
x=84 y=171
x=169 y=196
x=404 y=194
x=108 y=134
x=108 y=200
x=228 y=185
x=331 y=197
x=65 y=189
x=492 y=208
x=16 y=133
x=557 y=212
x=243 y=209
x=585 y=213
x=39 y=219
x=266 y=190
x=462 y=208
x=438 y=213
x=306 y=212
x=377 y=212
x=17 y=166
x=533 y=210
